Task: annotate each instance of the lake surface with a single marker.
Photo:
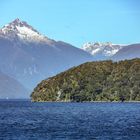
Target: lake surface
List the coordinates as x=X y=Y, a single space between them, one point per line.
x=69 y=121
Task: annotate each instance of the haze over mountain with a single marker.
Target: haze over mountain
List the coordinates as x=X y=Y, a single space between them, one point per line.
x=11 y=88
x=29 y=57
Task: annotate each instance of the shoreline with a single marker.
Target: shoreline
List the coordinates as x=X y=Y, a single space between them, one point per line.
x=68 y=101
x=85 y=102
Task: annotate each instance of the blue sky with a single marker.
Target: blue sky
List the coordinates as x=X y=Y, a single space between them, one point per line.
x=78 y=21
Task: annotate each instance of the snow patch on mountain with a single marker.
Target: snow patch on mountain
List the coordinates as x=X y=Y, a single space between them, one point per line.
x=103 y=49
x=26 y=33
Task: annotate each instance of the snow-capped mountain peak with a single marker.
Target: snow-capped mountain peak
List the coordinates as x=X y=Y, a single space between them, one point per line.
x=23 y=31
x=102 y=50
x=30 y=57
x=13 y=26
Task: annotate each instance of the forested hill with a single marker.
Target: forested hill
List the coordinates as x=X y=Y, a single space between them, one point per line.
x=93 y=81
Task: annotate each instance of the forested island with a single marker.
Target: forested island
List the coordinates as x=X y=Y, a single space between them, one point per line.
x=93 y=81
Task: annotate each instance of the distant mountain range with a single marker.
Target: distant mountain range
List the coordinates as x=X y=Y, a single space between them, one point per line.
x=29 y=57
x=103 y=51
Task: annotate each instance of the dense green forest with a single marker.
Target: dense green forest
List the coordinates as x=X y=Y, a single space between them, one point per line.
x=93 y=81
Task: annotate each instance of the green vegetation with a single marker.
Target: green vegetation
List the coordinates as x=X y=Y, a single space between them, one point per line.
x=93 y=81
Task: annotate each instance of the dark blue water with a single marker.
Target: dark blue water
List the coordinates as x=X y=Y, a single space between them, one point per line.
x=69 y=121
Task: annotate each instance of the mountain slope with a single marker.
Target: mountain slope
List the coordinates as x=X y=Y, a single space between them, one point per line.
x=11 y=88
x=93 y=81
x=127 y=52
x=29 y=57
